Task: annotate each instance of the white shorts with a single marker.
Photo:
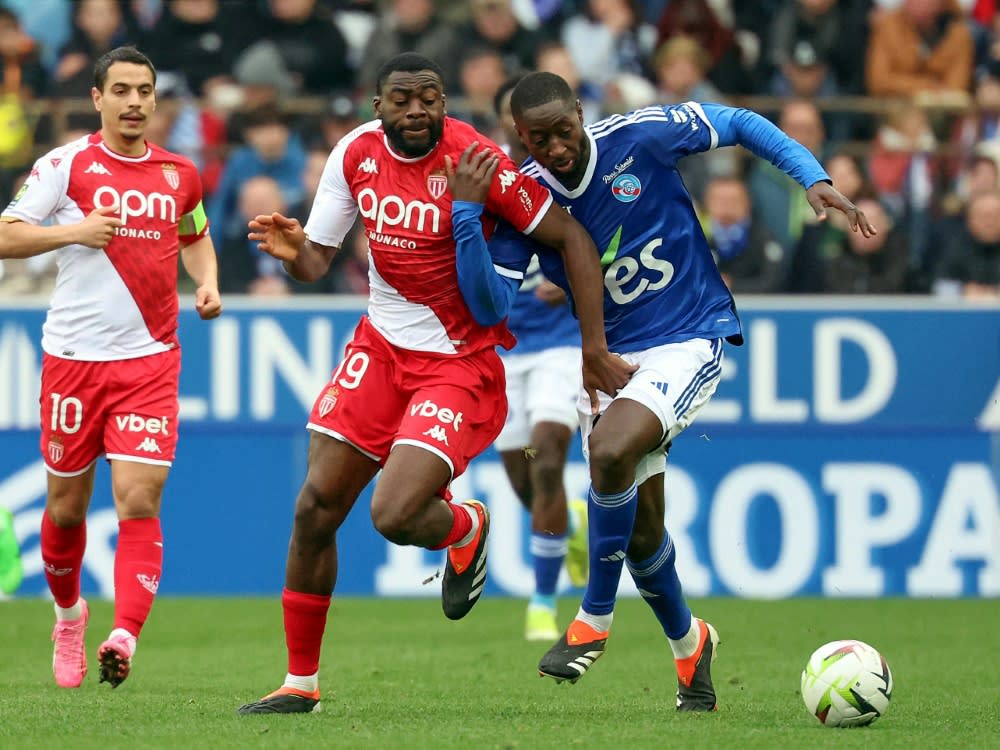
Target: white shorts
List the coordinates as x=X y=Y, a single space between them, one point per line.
x=541 y=387
x=673 y=381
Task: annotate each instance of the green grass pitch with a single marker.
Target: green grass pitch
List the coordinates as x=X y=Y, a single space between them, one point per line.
x=396 y=674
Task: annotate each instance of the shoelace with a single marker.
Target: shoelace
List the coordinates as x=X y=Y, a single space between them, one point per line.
x=66 y=635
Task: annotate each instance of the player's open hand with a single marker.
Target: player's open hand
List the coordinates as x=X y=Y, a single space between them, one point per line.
x=277 y=235
x=823 y=195
x=605 y=372
x=97 y=229
x=471 y=179
x=207 y=302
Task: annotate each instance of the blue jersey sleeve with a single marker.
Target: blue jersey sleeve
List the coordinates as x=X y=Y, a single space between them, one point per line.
x=487 y=290
x=735 y=126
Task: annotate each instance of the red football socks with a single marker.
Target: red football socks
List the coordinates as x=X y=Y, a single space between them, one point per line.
x=138 y=564
x=461 y=525
x=305 y=621
x=62 y=556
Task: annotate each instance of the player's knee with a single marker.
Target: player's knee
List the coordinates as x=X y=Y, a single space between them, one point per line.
x=319 y=511
x=67 y=515
x=392 y=522
x=610 y=460
x=547 y=474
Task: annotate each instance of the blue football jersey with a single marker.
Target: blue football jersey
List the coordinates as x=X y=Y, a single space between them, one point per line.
x=536 y=324
x=661 y=283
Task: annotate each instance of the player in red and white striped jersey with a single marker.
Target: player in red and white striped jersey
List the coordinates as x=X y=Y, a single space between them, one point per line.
x=116 y=210
x=420 y=391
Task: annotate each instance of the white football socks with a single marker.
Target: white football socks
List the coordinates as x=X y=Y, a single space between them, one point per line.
x=305 y=683
x=686 y=646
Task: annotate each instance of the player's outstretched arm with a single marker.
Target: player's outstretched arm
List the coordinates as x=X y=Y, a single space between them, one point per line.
x=285 y=239
x=202 y=266
x=19 y=239
x=760 y=136
x=602 y=371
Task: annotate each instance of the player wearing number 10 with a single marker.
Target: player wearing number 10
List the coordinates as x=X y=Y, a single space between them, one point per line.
x=667 y=311
x=121 y=209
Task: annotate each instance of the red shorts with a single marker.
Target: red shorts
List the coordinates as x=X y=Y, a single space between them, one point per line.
x=380 y=396
x=126 y=409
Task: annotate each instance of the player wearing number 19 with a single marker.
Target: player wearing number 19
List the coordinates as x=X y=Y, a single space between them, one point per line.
x=120 y=209
x=668 y=312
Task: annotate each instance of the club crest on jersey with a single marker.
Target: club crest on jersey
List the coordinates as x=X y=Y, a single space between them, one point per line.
x=328 y=401
x=437 y=183
x=171 y=175
x=55 y=450
x=626 y=187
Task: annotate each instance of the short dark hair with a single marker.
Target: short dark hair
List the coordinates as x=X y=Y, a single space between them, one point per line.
x=505 y=88
x=408 y=62
x=536 y=89
x=127 y=54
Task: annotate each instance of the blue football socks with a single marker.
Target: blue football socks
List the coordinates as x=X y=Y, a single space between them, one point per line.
x=547 y=552
x=657 y=581
x=611 y=519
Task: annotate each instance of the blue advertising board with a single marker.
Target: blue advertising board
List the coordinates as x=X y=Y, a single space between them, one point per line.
x=852 y=449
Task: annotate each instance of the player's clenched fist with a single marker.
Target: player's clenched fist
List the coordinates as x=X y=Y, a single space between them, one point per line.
x=97 y=229
x=277 y=235
x=207 y=302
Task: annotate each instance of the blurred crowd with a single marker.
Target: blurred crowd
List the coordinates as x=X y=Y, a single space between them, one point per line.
x=899 y=99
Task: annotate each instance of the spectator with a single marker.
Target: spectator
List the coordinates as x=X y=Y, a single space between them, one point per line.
x=494 y=25
x=907 y=172
x=696 y=19
x=243 y=269
x=411 y=26
x=351 y=274
x=339 y=117
x=554 y=57
x=23 y=78
x=271 y=150
x=981 y=123
x=849 y=175
x=481 y=73
x=609 y=39
x=310 y=46
x=195 y=38
x=680 y=65
x=970 y=267
x=831 y=259
x=750 y=260
x=48 y=22
x=98 y=26
x=778 y=202
x=923 y=47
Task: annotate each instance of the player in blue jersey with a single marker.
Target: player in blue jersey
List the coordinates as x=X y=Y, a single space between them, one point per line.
x=543 y=380
x=667 y=312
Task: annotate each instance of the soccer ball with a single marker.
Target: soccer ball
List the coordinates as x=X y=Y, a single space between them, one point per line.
x=846 y=684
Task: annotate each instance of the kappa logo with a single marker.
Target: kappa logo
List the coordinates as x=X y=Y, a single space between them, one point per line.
x=437 y=432
x=507 y=178
x=149 y=445
x=369 y=166
x=150 y=583
x=97 y=168
x=52 y=570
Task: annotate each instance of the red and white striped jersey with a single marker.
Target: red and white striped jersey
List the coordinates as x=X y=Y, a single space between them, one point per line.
x=119 y=302
x=405 y=205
